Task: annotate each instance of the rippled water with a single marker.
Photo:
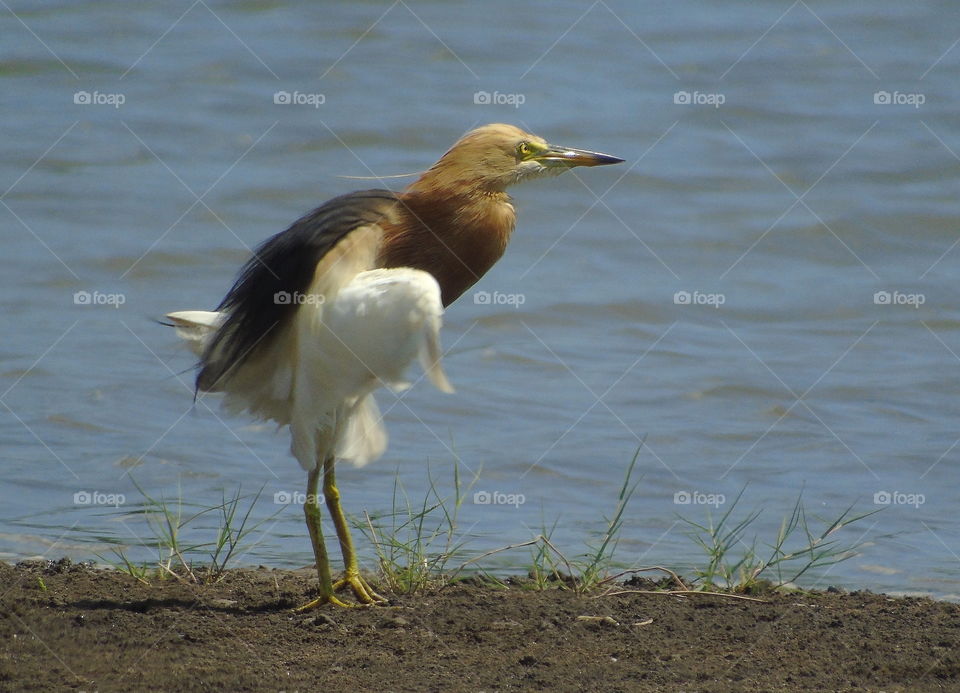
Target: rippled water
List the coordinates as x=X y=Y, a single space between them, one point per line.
x=714 y=299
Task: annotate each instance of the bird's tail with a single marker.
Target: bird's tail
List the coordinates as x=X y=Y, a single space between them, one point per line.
x=195 y=327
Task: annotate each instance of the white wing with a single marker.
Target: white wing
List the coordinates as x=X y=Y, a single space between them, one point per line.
x=370 y=334
x=354 y=329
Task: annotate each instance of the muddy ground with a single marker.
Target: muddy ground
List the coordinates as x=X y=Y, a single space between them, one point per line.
x=74 y=627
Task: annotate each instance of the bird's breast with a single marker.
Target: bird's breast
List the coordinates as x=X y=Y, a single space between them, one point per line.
x=454 y=239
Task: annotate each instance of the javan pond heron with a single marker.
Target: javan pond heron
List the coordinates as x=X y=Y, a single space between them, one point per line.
x=348 y=296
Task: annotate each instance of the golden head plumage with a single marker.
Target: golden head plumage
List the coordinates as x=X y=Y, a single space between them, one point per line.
x=493 y=157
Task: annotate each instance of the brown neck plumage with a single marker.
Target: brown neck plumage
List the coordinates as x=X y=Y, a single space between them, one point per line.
x=454 y=232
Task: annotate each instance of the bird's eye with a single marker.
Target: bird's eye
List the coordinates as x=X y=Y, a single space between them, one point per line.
x=523 y=149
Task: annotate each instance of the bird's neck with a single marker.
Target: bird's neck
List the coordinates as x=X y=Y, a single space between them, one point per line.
x=456 y=236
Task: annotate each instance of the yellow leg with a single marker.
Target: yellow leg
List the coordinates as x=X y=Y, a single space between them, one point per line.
x=351 y=577
x=311 y=509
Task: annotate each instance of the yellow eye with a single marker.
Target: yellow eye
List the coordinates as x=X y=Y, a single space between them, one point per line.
x=523 y=149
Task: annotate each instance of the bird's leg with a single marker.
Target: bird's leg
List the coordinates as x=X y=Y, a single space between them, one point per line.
x=351 y=577
x=311 y=509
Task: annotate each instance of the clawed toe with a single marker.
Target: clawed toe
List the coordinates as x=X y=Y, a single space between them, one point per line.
x=361 y=589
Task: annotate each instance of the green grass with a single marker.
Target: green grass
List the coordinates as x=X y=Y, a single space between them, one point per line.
x=416 y=545
x=420 y=546
x=599 y=559
x=737 y=563
x=545 y=567
x=415 y=542
x=183 y=559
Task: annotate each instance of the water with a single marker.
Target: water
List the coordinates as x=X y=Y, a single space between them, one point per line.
x=714 y=300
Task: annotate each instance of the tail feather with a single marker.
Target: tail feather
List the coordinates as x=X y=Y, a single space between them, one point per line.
x=195 y=327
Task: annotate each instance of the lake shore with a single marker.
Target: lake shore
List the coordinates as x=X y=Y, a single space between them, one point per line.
x=75 y=627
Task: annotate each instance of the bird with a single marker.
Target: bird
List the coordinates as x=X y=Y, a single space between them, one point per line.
x=347 y=297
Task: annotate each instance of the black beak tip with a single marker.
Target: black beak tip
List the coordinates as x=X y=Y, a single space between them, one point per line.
x=604 y=159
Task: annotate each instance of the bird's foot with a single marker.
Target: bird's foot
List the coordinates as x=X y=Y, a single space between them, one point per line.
x=365 y=594
x=361 y=589
x=320 y=601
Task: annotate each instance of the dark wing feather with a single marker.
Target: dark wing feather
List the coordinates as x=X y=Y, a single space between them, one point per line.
x=283 y=264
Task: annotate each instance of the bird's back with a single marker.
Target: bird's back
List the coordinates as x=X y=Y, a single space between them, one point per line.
x=272 y=285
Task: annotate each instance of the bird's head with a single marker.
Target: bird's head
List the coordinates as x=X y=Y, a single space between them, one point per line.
x=493 y=157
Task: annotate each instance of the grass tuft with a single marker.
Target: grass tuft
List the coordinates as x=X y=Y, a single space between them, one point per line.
x=738 y=566
x=176 y=557
x=415 y=543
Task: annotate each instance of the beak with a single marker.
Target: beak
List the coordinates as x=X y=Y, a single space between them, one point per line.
x=568 y=157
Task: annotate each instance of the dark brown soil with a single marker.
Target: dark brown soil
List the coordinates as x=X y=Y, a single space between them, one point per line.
x=66 y=626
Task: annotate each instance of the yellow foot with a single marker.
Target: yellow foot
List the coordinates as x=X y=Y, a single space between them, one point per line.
x=320 y=601
x=361 y=589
